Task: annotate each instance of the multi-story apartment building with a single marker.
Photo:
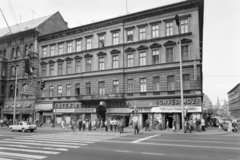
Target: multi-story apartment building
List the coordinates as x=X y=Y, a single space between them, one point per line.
x=106 y=69
x=13 y=50
x=234 y=101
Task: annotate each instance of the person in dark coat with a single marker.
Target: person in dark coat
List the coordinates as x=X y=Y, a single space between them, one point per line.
x=80 y=124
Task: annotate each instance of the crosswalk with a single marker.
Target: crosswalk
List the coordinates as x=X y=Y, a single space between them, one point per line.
x=37 y=147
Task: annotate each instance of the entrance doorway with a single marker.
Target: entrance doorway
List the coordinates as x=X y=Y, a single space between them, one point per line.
x=101 y=113
x=144 y=118
x=169 y=117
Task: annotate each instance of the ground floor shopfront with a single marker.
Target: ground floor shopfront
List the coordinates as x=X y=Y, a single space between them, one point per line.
x=44 y=112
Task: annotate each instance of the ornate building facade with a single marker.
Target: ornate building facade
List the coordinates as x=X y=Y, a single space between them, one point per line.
x=234 y=101
x=107 y=69
x=13 y=50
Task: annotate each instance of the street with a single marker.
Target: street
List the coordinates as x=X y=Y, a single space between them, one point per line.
x=53 y=144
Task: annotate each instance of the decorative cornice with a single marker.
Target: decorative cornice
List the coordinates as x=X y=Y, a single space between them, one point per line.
x=155 y=22
x=88 y=36
x=142 y=47
x=51 y=61
x=68 y=59
x=77 y=57
x=60 y=60
x=78 y=39
x=185 y=40
x=88 y=56
x=169 y=43
x=101 y=53
x=142 y=25
x=129 y=28
x=114 y=51
x=180 y=17
x=155 y=45
x=101 y=33
x=130 y=49
x=115 y=30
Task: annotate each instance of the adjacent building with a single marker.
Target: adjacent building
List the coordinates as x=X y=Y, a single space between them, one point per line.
x=110 y=68
x=234 y=101
x=13 y=50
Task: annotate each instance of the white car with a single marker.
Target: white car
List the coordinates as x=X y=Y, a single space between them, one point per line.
x=23 y=126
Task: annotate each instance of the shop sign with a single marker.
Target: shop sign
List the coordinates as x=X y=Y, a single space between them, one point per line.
x=176 y=109
x=79 y=110
x=68 y=105
x=118 y=110
x=144 y=110
x=28 y=90
x=186 y=101
x=43 y=106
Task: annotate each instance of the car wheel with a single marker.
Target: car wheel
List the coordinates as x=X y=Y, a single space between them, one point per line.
x=32 y=130
x=23 y=130
x=11 y=130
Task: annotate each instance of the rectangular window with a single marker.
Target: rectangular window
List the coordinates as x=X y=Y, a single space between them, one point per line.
x=60 y=49
x=130 y=36
x=68 y=89
x=156 y=84
x=116 y=86
x=143 y=85
x=142 y=59
x=130 y=60
x=115 y=62
x=186 y=81
x=169 y=28
x=184 y=50
x=77 y=89
x=169 y=55
x=170 y=83
x=44 y=51
x=88 y=88
x=78 y=66
x=101 y=63
x=50 y=91
x=101 y=88
x=51 y=70
x=60 y=68
x=155 y=57
x=115 y=38
x=78 y=45
x=69 y=67
x=52 y=50
x=155 y=31
x=101 y=41
x=3 y=71
x=88 y=65
x=130 y=85
x=69 y=47
x=59 y=91
x=184 y=25
x=3 y=90
x=142 y=33
x=43 y=92
x=44 y=71
x=89 y=43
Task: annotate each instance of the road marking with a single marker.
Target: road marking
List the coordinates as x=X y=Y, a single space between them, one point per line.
x=41 y=144
x=158 y=154
x=121 y=151
x=22 y=146
x=81 y=144
x=58 y=140
x=28 y=150
x=61 y=138
x=22 y=155
x=5 y=159
x=142 y=139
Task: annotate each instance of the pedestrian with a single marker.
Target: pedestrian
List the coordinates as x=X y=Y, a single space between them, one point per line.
x=147 y=123
x=84 y=125
x=106 y=125
x=135 y=125
x=167 y=125
x=187 y=126
x=156 y=124
x=52 y=123
x=198 y=125
x=203 y=124
x=62 y=124
x=191 y=124
x=80 y=124
x=120 y=126
x=90 y=125
x=115 y=124
x=174 y=125
x=111 y=125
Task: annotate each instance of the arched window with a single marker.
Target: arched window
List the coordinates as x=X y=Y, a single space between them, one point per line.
x=3 y=90
x=17 y=90
x=11 y=94
x=17 y=52
x=13 y=71
x=31 y=47
x=13 y=53
x=4 y=52
x=17 y=70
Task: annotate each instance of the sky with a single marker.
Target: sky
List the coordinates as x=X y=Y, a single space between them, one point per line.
x=221 y=39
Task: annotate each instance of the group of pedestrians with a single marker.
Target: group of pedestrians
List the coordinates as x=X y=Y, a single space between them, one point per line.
x=194 y=125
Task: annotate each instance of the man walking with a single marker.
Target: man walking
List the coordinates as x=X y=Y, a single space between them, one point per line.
x=80 y=124
x=147 y=123
x=203 y=125
x=187 y=127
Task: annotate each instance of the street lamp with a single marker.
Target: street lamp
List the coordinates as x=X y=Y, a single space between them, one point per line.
x=15 y=96
x=180 y=59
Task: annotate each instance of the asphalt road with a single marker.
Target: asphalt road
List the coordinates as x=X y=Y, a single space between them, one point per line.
x=56 y=144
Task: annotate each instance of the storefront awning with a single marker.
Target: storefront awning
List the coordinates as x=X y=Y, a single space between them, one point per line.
x=43 y=107
x=118 y=110
x=27 y=111
x=9 y=112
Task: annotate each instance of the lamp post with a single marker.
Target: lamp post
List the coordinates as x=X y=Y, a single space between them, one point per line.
x=180 y=59
x=15 y=96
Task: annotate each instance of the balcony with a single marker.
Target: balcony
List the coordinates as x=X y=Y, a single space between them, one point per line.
x=101 y=97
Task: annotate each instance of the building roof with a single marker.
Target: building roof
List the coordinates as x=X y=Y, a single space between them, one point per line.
x=234 y=88
x=23 y=26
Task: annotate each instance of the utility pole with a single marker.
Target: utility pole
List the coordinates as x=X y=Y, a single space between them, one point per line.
x=15 y=95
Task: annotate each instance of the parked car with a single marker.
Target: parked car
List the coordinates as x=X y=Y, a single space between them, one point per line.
x=23 y=126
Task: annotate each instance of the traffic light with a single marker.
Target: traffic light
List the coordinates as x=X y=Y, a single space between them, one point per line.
x=42 y=85
x=177 y=20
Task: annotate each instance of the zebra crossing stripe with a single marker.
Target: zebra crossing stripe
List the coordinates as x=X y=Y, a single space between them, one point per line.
x=22 y=146
x=66 y=139
x=58 y=140
x=28 y=150
x=5 y=159
x=81 y=144
x=41 y=144
x=22 y=155
x=71 y=136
